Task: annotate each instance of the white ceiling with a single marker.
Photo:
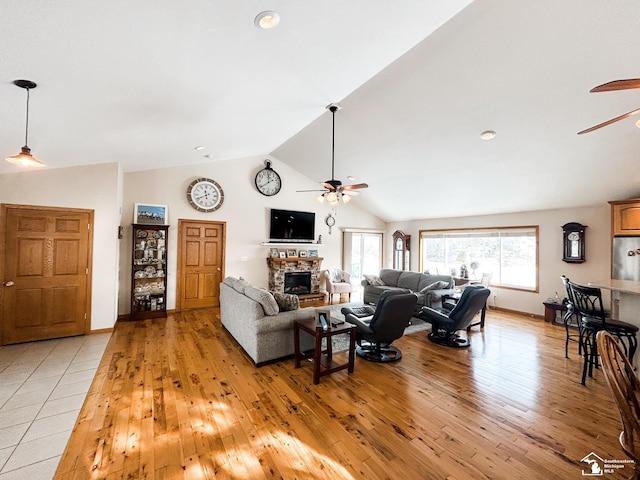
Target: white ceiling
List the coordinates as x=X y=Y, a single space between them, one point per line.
x=142 y=83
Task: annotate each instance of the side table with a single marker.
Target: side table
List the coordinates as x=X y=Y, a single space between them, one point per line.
x=323 y=363
x=550 y=309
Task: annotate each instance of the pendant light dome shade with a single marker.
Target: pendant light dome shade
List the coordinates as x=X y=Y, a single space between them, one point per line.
x=25 y=158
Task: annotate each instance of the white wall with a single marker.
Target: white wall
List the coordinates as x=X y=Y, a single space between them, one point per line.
x=96 y=187
x=104 y=189
x=245 y=211
x=551 y=266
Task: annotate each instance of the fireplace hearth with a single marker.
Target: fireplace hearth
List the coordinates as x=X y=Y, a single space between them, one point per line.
x=297 y=283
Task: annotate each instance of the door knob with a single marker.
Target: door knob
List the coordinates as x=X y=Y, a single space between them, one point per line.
x=8 y=284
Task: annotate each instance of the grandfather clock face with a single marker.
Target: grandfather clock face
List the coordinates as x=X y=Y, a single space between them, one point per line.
x=573 y=242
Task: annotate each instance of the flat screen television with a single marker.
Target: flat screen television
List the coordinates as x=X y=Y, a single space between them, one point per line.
x=288 y=226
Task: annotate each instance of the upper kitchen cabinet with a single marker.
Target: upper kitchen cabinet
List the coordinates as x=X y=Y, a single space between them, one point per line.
x=625 y=217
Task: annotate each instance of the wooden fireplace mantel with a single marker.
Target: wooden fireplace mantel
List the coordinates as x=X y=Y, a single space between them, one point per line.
x=276 y=262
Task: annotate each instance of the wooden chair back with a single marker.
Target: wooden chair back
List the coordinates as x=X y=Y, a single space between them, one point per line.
x=625 y=387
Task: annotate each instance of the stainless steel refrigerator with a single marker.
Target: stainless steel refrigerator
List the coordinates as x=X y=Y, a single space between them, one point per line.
x=626 y=258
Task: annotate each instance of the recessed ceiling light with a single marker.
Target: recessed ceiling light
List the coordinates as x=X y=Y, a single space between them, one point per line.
x=351 y=178
x=208 y=155
x=266 y=20
x=488 y=135
x=199 y=147
x=638 y=124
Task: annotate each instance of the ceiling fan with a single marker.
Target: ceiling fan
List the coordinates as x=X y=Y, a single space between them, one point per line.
x=334 y=191
x=611 y=86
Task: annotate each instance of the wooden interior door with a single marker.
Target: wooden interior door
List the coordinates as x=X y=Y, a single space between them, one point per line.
x=200 y=263
x=46 y=263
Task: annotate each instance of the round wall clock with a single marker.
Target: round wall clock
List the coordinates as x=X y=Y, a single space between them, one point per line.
x=268 y=181
x=205 y=195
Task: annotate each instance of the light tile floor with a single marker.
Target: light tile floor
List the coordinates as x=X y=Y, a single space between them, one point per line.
x=42 y=388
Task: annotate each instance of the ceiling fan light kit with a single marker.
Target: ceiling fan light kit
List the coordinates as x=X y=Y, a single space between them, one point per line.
x=25 y=158
x=334 y=192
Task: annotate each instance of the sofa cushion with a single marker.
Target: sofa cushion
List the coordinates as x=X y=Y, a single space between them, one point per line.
x=409 y=280
x=286 y=302
x=389 y=276
x=264 y=298
x=380 y=289
x=439 y=285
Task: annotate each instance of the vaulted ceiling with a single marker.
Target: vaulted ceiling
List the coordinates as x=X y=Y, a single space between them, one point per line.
x=142 y=83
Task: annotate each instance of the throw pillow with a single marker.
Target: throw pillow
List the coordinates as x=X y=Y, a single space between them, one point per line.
x=374 y=280
x=230 y=281
x=240 y=285
x=439 y=285
x=336 y=276
x=264 y=298
x=286 y=302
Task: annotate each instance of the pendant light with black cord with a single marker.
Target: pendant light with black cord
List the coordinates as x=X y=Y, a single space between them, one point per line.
x=25 y=158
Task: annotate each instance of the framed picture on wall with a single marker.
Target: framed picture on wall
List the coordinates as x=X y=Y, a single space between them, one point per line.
x=313 y=253
x=302 y=254
x=273 y=252
x=282 y=254
x=292 y=252
x=148 y=214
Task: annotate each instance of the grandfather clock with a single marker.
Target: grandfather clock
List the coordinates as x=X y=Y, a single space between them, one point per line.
x=573 y=242
x=401 y=250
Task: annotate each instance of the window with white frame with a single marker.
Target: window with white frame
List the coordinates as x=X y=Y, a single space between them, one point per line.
x=510 y=254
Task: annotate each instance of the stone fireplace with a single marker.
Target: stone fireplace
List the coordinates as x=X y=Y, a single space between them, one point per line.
x=310 y=267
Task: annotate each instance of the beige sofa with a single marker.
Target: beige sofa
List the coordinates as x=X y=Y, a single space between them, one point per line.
x=254 y=318
x=429 y=288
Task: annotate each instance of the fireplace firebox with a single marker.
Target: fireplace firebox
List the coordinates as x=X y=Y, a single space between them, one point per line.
x=297 y=283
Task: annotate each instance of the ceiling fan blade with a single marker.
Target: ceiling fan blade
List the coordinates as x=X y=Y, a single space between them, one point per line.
x=356 y=186
x=617 y=85
x=328 y=186
x=322 y=190
x=609 y=122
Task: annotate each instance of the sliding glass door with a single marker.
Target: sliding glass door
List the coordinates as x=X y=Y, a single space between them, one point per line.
x=363 y=255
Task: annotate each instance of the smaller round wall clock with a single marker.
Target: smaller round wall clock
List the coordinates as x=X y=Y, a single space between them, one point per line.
x=205 y=195
x=268 y=181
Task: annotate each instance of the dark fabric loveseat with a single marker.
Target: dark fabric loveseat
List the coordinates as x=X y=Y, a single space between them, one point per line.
x=429 y=288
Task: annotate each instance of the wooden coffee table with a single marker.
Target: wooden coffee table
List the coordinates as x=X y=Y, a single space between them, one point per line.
x=323 y=363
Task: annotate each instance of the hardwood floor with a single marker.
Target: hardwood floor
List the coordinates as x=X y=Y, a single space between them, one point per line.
x=176 y=398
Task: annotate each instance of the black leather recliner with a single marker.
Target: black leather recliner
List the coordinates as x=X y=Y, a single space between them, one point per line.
x=446 y=322
x=378 y=327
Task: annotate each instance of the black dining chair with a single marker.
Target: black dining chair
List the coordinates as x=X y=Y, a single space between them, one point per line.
x=566 y=320
x=587 y=303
